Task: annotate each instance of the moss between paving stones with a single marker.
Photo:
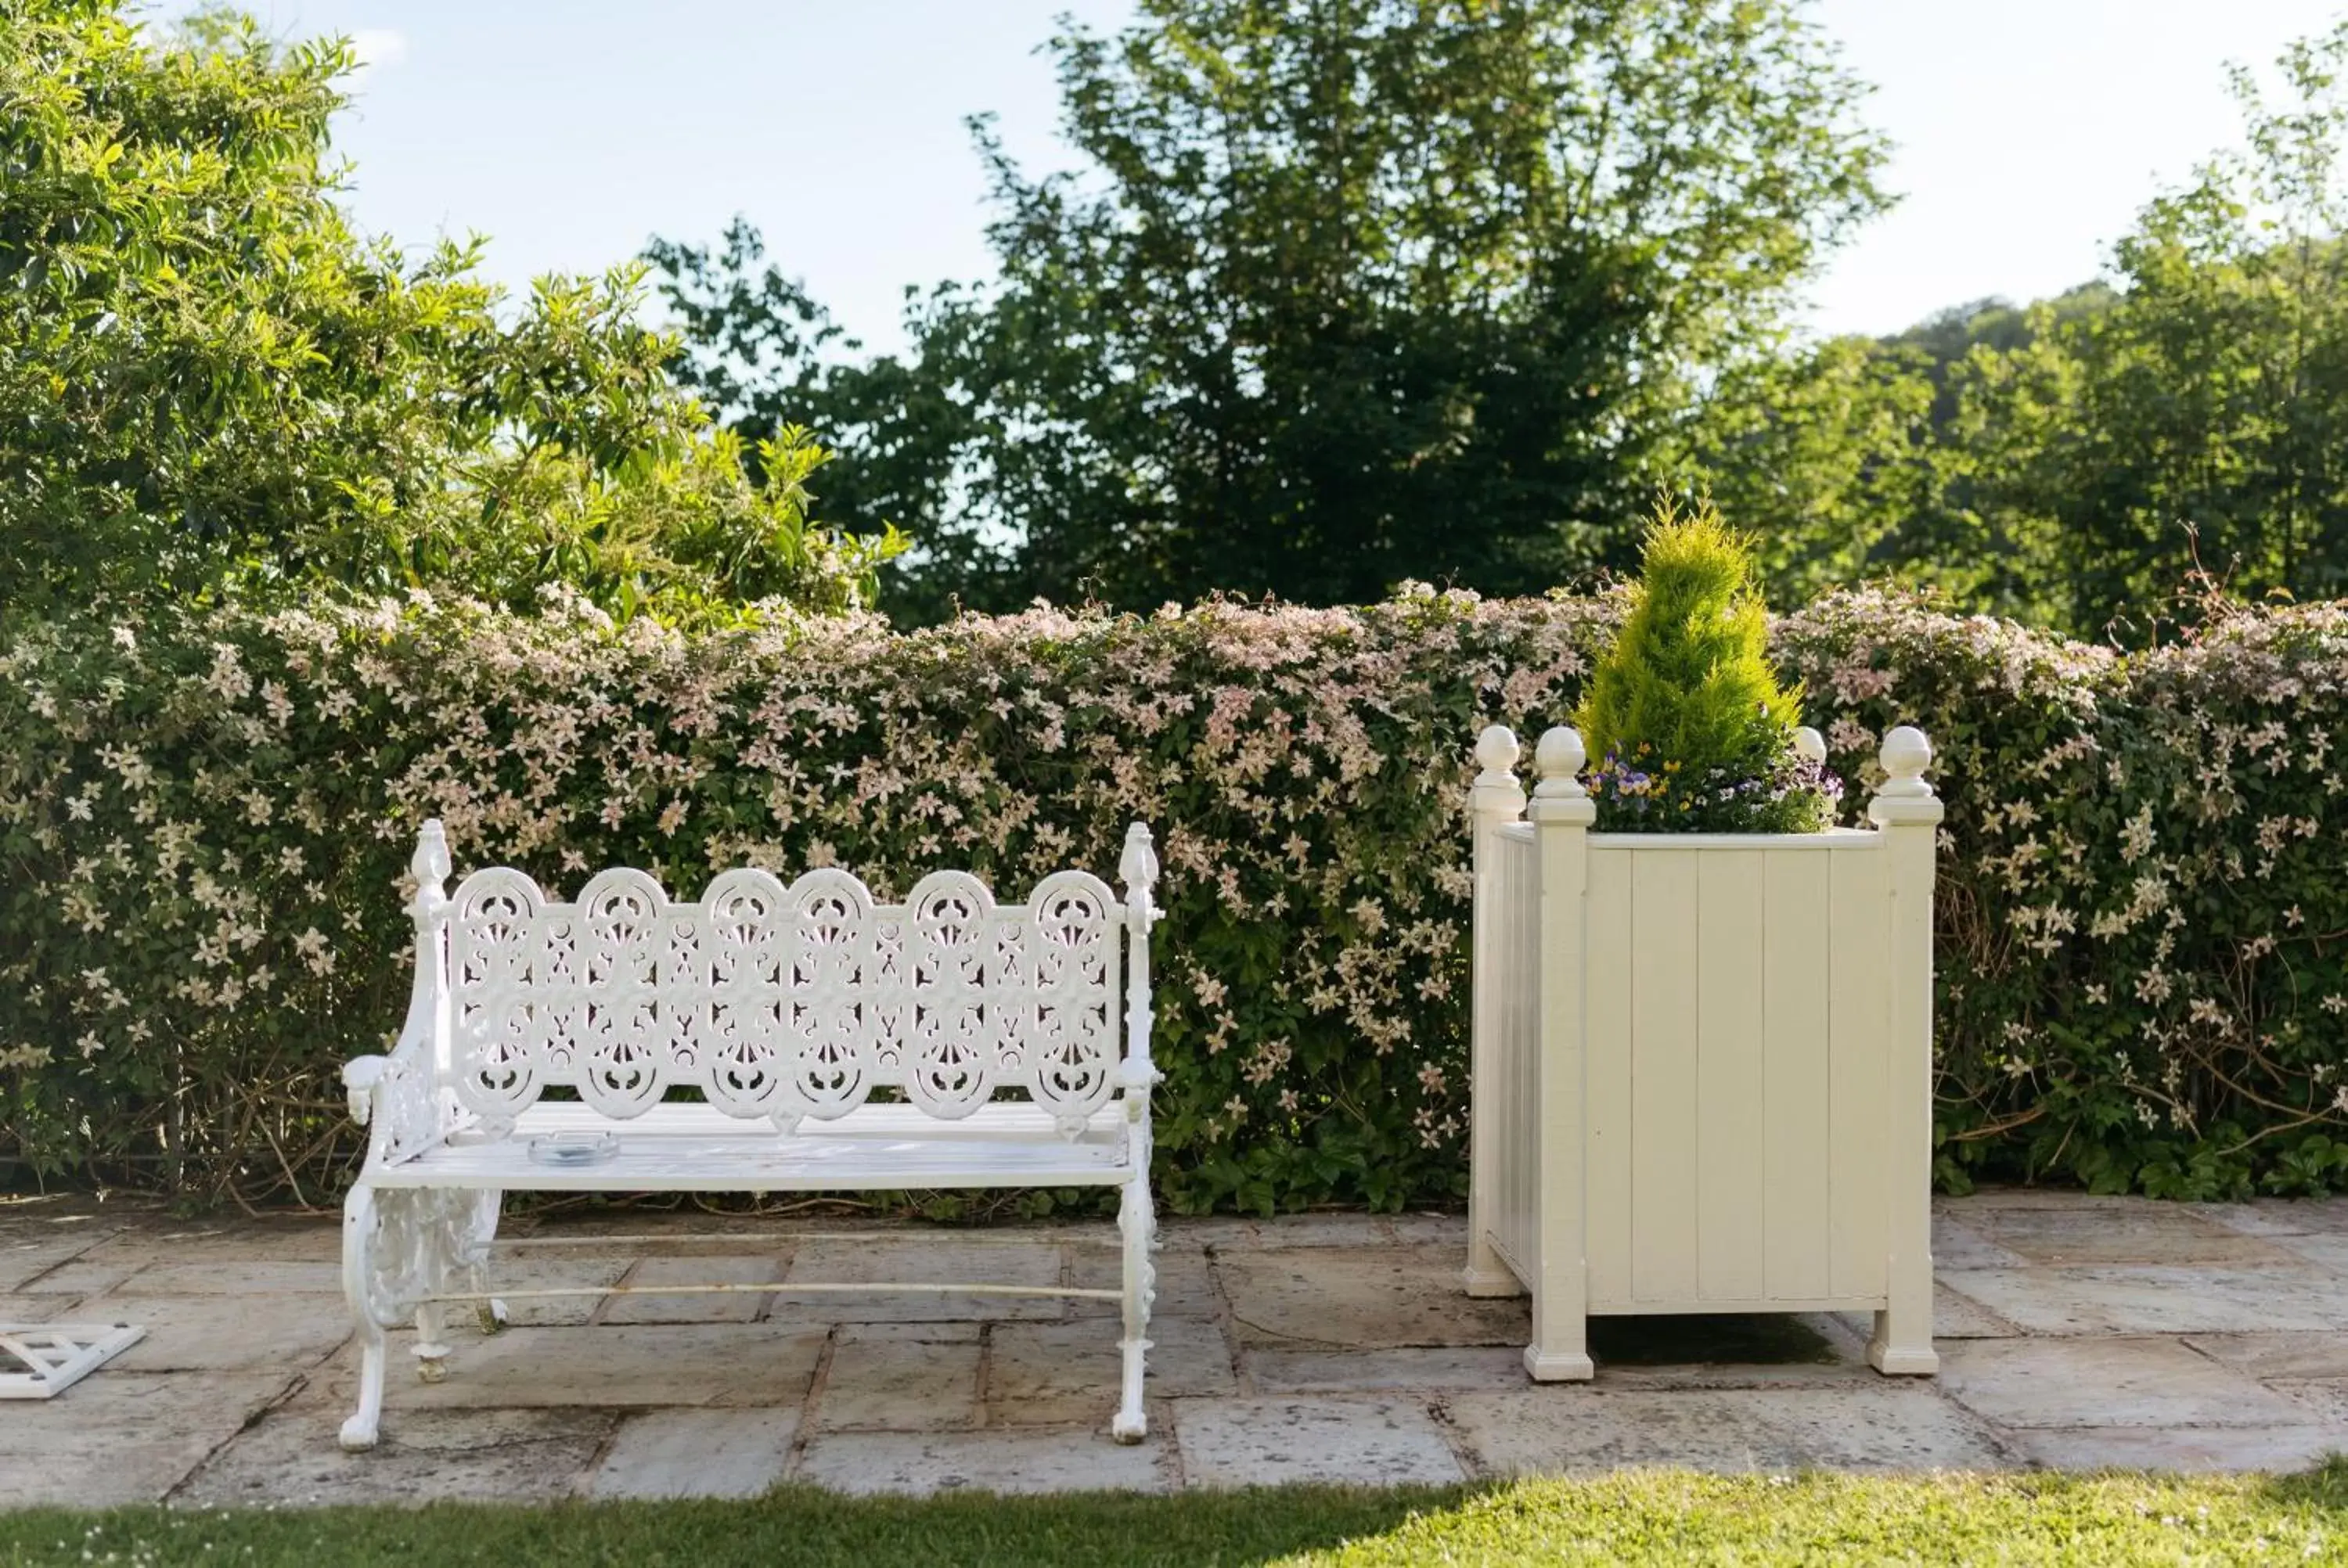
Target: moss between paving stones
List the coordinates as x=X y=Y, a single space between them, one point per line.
x=1663 y=1516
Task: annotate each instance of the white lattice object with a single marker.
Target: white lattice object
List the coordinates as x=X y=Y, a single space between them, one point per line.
x=799 y=1038
x=42 y=1360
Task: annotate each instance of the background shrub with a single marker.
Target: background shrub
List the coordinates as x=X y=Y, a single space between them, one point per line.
x=204 y=819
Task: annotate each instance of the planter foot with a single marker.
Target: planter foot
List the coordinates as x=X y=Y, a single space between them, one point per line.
x=1903 y=1360
x=1570 y=1366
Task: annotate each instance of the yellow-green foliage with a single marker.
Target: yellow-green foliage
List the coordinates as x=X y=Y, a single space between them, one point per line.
x=1690 y=677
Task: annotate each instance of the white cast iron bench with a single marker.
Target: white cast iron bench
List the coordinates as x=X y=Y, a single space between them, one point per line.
x=737 y=1044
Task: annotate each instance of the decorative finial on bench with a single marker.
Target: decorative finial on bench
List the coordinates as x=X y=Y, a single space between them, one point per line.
x=1809 y=745
x=430 y=861
x=1906 y=754
x=1558 y=760
x=1137 y=866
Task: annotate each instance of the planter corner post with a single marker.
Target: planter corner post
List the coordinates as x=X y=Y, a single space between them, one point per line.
x=1908 y=814
x=1495 y=800
x=1561 y=815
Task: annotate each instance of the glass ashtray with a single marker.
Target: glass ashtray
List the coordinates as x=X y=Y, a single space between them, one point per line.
x=573 y=1148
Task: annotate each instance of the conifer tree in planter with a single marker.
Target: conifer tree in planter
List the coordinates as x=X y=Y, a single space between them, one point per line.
x=1702 y=1036
x=1691 y=729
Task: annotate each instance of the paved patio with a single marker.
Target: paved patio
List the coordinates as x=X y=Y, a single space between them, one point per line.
x=2074 y=1332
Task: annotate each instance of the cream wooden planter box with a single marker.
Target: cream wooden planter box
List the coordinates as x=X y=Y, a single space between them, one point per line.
x=1703 y=1063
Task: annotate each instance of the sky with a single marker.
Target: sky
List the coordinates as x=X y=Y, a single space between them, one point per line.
x=2029 y=132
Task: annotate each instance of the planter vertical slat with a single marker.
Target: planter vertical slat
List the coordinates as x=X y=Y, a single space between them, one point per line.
x=1732 y=1110
x=1703 y=1062
x=1608 y=1075
x=1663 y=1050
x=1797 y=1093
x=1856 y=1105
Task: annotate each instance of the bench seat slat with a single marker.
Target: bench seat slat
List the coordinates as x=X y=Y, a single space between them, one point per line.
x=1013 y=1120
x=690 y=1147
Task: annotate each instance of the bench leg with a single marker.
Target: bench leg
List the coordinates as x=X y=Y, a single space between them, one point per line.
x=1137 y=1223
x=459 y=1226
x=431 y=1343
x=358 y=1241
x=491 y=1310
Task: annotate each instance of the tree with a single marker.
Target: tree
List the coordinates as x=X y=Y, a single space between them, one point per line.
x=210 y=384
x=2079 y=460
x=1351 y=290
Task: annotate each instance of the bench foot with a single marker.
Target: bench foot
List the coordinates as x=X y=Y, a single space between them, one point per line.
x=358 y=1433
x=1129 y=1428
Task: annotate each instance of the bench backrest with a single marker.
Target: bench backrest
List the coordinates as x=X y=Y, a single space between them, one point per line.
x=788 y=1001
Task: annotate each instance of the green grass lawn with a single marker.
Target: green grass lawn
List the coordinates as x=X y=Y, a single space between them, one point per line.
x=1636 y=1517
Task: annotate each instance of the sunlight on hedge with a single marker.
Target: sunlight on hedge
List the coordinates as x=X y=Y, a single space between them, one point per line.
x=205 y=820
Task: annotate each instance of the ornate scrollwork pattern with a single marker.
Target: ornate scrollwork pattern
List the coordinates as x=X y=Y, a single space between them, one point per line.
x=784 y=1001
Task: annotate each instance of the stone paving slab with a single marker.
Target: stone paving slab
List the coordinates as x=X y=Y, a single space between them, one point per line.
x=555 y=1271
x=920 y=1464
x=696 y=1453
x=426 y=1456
x=2325 y=1251
x=1322 y=1347
x=618 y=1367
x=170 y=1276
x=1186 y=1282
x=25 y=1259
x=2278 y=1355
x=1364 y=1298
x=75 y=1275
x=2187 y=1448
x=222 y=1332
x=1957 y=1244
x=1284 y=1371
x=120 y=1437
x=21 y=1309
x=2326 y=1397
x=1590 y=1430
x=1051 y=1374
x=2118 y=1382
x=2281 y=1216
x=2159 y=1300
x=904 y=1385
x=712 y=1307
x=1269 y=1442
x=2082 y=1239
x=926 y=1260
x=239 y=1241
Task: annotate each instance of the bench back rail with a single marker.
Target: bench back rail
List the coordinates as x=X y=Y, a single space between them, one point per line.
x=772 y=1001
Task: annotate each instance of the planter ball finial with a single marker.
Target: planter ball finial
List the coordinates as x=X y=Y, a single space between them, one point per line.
x=1809 y=745
x=1905 y=756
x=1497 y=750
x=1558 y=759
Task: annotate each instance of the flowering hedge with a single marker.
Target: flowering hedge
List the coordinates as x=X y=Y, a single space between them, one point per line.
x=204 y=823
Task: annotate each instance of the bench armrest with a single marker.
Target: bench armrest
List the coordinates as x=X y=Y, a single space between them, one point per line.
x=394 y=1098
x=362 y=1076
